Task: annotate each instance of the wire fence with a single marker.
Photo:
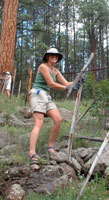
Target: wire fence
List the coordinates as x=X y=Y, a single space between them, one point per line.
x=101 y=74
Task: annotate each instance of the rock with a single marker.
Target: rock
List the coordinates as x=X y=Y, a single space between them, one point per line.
x=2 y=120
x=4 y=139
x=80 y=160
x=52 y=162
x=102 y=163
x=60 y=145
x=48 y=179
x=82 y=152
x=107 y=177
x=85 y=153
x=59 y=156
x=52 y=186
x=13 y=120
x=66 y=114
x=12 y=173
x=34 y=167
x=107 y=126
x=26 y=112
x=6 y=159
x=103 y=159
x=15 y=192
x=8 y=149
x=70 y=172
x=74 y=163
x=89 y=156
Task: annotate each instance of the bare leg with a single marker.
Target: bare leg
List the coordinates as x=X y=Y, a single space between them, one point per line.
x=8 y=93
x=38 y=120
x=57 y=120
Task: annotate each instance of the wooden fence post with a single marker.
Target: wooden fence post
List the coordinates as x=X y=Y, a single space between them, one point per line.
x=19 y=89
x=74 y=121
x=13 y=77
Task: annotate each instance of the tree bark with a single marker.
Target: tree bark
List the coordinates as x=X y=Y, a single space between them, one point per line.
x=93 y=43
x=74 y=30
x=8 y=35
x=66 y=42
x=107 y=49
x=47 y=39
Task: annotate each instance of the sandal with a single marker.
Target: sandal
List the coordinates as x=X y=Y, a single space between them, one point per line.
x=35 y=159
x=52 y=147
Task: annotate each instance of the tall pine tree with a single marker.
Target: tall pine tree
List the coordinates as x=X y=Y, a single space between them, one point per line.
x=8 y=34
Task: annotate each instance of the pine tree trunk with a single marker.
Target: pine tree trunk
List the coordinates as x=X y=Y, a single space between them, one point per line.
x=74 y=30
x=66 y=43
x=93 y=43
x=0 y=47
x=8 y=35
x=47 y=39
x=59 y=37
x=107 y=49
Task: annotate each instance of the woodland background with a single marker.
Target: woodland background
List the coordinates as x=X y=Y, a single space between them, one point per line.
x=75 y=27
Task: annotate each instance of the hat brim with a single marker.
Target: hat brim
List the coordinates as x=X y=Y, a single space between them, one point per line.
x=8 y=73
x=59 y=55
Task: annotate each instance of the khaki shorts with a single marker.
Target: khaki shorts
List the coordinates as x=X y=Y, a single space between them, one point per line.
x=41 y=102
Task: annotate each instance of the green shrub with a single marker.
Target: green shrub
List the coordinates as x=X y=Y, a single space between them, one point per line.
x=98 y=91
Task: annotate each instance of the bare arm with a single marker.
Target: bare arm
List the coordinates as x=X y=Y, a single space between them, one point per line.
x=44 y=70
x=60 y=79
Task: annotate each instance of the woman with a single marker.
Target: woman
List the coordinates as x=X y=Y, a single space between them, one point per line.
x=8 y=80
x=41 y=104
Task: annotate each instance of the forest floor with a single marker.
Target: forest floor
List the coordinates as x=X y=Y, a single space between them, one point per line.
x=89 y=126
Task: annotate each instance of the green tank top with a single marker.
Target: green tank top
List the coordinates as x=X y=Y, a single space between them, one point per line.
x=40 y=82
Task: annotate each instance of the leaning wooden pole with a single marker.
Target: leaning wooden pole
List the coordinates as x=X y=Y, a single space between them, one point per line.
x=30 y=70
x=85 y=112
x=106 y=140
x=77 y=79
x=80 y=74
x=72 y=129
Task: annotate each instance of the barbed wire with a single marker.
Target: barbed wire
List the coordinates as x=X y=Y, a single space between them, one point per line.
x=93 y=70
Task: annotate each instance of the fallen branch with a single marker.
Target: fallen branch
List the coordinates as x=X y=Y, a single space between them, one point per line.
x=90 y=138
x=87 y=138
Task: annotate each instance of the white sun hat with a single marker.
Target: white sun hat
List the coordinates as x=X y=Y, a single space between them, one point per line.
x=8 y=73
x=52 y=51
